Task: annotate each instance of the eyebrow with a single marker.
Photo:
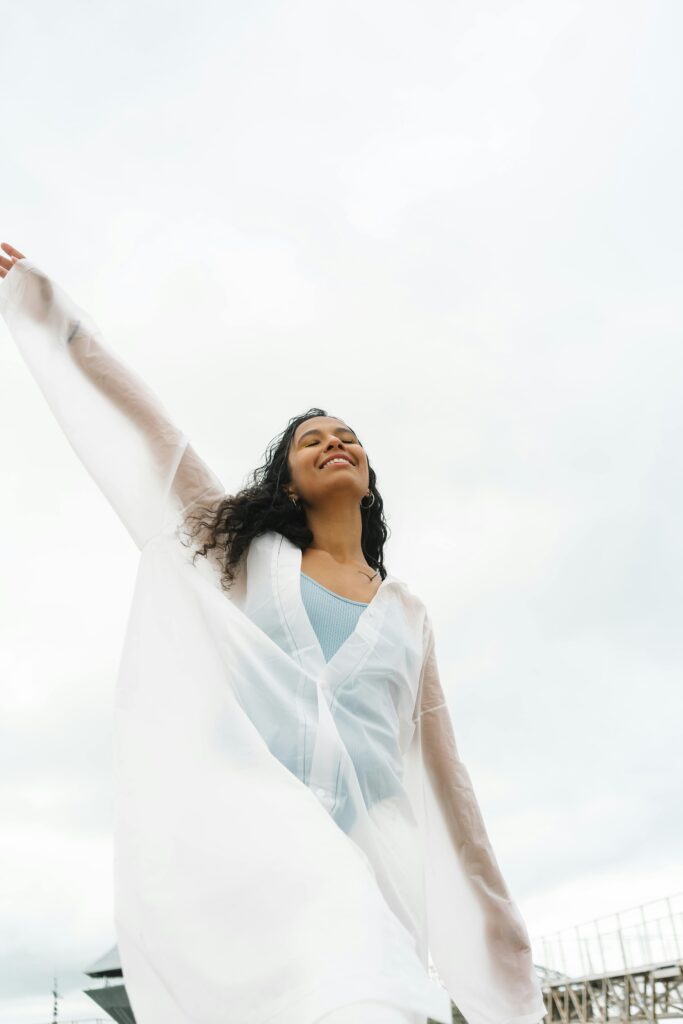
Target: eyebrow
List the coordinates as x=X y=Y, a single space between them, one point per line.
x=316 y=430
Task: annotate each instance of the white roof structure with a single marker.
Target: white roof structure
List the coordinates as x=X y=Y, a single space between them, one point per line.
x=107 y=966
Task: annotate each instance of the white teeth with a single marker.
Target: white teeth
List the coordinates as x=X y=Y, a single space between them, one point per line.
x=347 y=461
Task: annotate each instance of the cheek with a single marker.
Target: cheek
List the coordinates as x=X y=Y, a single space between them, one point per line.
x=301 y=466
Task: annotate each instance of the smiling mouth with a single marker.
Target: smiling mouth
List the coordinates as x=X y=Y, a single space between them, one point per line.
x=337 y=460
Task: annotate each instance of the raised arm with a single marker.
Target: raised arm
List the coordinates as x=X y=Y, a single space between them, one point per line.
x=144 y=464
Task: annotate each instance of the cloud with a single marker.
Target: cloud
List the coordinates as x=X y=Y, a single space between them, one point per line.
x=473 y=213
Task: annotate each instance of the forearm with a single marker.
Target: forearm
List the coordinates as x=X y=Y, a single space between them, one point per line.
x=121 y=387
x=462 y=815
x=478 y=938
x=47 y=306
x=115 y=423
x=454 y=791
x=128 y=394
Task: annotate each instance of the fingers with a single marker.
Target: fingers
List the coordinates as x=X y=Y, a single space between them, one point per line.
x=7 y=264
x=12 y=251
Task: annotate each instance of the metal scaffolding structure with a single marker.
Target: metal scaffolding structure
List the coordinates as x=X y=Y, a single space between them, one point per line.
x=621 y=967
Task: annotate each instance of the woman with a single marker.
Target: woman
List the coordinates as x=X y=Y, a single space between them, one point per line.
x=295 y=832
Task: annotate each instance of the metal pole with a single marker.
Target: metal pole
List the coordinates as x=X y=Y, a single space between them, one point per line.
x=546 y=958
x=664 y=952
x=55 y=1006
x=646 y=944
x=580 y=945
x=602 y=952
x=562 y=957
x=621 y=941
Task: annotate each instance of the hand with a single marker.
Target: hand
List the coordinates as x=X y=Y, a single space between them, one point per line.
x=7 y=264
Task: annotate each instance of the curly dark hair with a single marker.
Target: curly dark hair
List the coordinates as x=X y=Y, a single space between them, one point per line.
x=263 y=505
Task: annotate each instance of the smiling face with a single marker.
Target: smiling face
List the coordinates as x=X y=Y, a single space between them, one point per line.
x=326 y=458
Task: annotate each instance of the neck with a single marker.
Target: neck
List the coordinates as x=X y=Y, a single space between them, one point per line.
x=337 y=529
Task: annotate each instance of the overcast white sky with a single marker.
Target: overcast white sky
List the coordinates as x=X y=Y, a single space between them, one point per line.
x=456 y=224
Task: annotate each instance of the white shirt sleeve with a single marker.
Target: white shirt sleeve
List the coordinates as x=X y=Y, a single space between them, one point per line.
x=477 y=937
x=143 y=464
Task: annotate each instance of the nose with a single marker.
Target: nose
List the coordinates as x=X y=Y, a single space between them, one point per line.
x=333 y=440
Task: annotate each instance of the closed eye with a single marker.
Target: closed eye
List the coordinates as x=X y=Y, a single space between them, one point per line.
x=349 y=441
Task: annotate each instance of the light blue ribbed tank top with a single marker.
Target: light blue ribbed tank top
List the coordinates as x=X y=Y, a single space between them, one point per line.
x=333 y=617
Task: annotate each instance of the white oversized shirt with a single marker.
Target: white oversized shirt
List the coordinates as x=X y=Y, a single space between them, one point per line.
x=290 y=834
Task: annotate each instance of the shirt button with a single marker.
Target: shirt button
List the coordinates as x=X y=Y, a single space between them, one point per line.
x=325 y=798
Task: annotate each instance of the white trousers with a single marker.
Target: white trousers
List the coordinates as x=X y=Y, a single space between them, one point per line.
x=371 y=1012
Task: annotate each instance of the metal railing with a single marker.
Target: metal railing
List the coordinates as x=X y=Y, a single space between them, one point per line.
x=641 y=936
